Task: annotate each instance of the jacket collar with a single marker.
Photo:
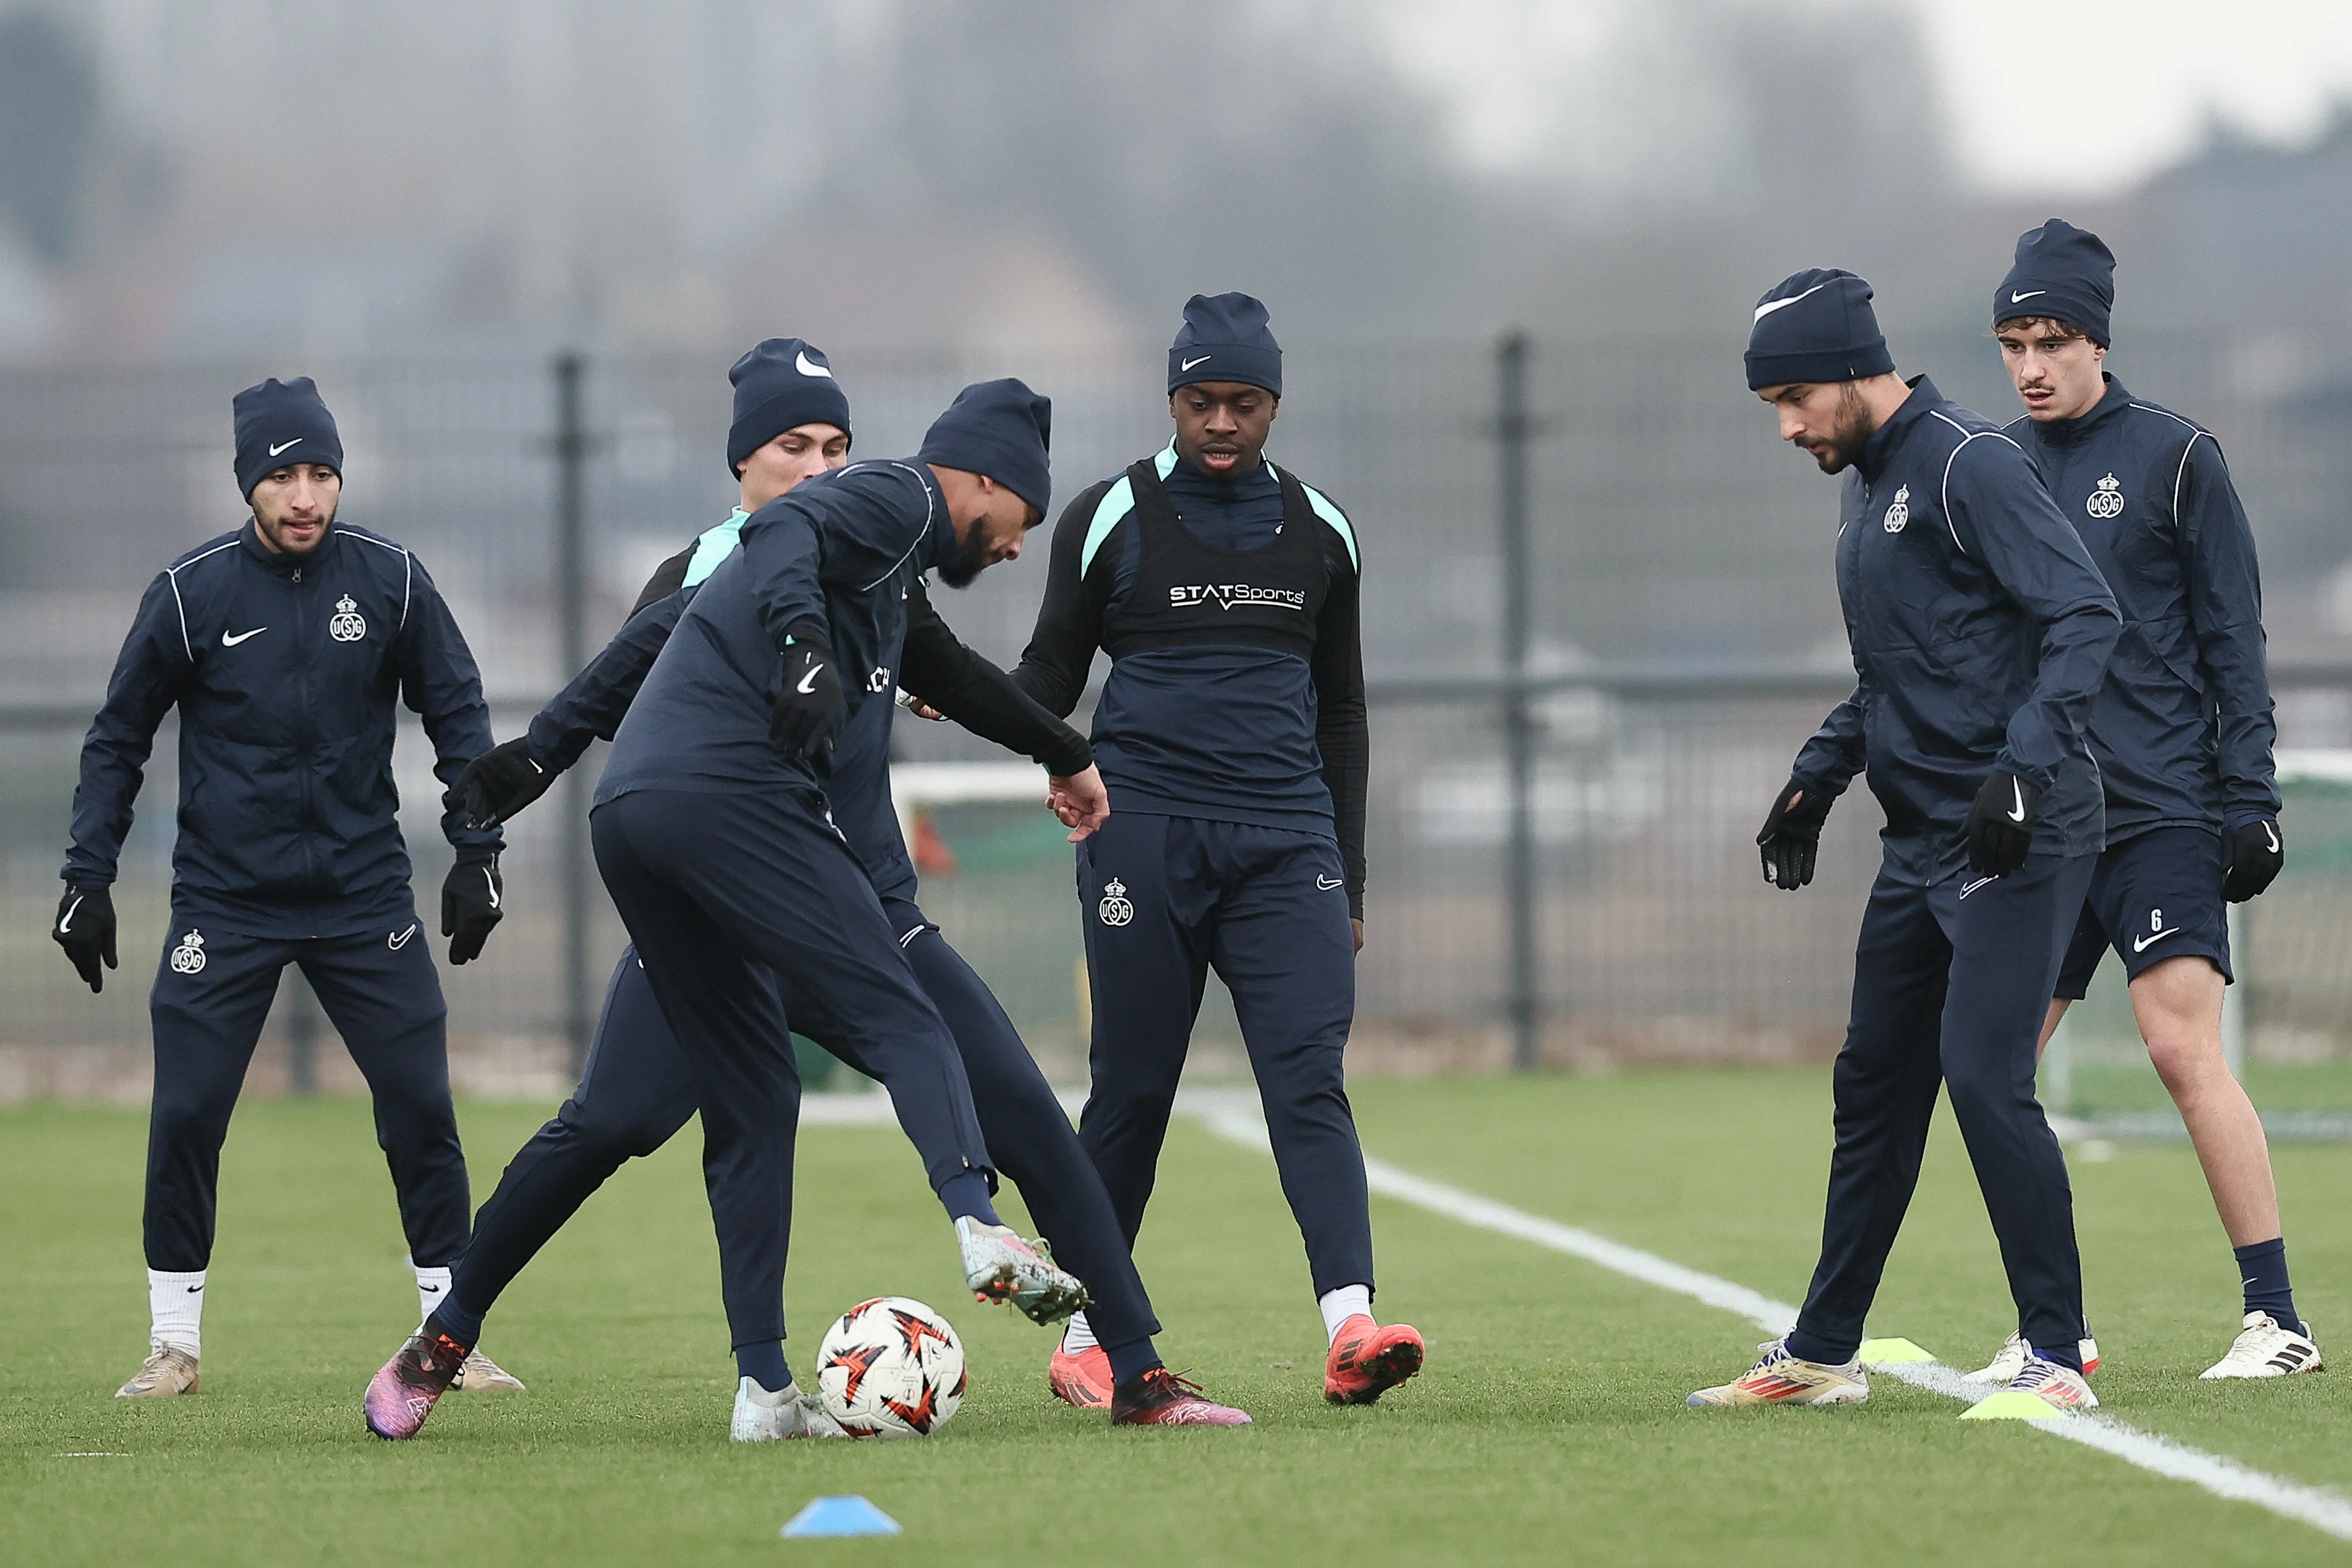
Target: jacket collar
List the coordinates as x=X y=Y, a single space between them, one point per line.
x=1880 y=447
x=248 y=539
x=2066 y=432
x=939 y=547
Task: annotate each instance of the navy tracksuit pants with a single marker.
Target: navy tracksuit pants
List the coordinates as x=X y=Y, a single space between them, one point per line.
x=1951 y=981
x=213 y=991
x=1163 y=899
x=740 y=906
x=637 y=1092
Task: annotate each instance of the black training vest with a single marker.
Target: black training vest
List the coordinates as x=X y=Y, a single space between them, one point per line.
x=1187 y=594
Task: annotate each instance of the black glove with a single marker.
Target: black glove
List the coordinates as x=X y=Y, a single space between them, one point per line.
x=2000 y=823
x=85 y=928
x=2252 y=858
x=471 y=904
x=499 y=783
x=1792 y=834
x=807 y=713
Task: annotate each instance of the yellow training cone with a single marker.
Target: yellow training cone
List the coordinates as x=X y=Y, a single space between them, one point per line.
x=1892 y=1353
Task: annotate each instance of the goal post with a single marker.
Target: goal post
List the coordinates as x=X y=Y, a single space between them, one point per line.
x=2286 y=1025
x=1016 y=865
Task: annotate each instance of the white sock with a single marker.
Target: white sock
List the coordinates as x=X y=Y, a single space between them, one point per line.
x=432 y=1289
x=1338 y=1306
x=175 y=1308
x=1078 y=1336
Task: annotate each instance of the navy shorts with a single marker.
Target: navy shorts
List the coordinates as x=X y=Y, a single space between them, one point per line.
x=2155 y=896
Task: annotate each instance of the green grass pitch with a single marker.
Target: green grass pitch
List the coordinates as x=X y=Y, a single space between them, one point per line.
x=1547 y=1428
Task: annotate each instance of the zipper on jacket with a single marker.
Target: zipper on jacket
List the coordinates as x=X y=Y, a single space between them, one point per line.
x=306 y=736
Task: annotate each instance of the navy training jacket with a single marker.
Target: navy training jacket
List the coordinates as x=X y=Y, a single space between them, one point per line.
x=284 y=669
x=936 y=666
x=1981 y=632
x=840 y=550
x=2183 y=728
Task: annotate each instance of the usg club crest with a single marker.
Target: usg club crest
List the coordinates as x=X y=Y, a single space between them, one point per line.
x=2107 y=500
x=1900 y=513
x=348 y=624
x=188 y=957
x=1115 y=909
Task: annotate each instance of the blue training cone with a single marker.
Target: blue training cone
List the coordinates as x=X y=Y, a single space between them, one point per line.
x=840 y=1516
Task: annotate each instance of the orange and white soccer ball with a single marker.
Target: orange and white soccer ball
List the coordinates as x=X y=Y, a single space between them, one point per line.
x=890 y=1368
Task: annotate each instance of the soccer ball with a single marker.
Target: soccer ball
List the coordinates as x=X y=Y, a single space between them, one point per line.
x=890 y=1368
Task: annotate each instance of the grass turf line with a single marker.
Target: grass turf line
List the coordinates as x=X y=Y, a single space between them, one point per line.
x=1897 y=1357
x=1547 y=1428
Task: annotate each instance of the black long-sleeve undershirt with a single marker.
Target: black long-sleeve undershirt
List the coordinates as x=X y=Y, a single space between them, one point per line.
x=940 y=670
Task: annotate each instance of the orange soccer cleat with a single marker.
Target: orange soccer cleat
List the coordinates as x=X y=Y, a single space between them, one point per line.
x=1083 y=1380
x=1367 y=1359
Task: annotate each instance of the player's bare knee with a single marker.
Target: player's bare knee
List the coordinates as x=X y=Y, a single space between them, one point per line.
x=2177 y=1005
x=2189 y=1062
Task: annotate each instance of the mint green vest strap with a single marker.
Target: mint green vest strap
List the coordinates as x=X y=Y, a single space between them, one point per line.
x=715 y=545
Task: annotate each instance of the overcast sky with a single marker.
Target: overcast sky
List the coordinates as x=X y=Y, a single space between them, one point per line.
x=2086 y=95
x=2078 y=96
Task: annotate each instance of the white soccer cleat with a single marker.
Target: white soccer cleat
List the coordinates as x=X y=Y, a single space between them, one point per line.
x=2004 y=1367
x=480 y=1375
x=998 y=1266
x=2061 y=1387
x=2265 y=1349
x=2006 y=1364
x=169 y=1370
x=1780 y=1378
x=764 y=1417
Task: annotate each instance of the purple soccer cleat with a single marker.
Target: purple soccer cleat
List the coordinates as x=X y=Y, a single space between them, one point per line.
x=402 y=1395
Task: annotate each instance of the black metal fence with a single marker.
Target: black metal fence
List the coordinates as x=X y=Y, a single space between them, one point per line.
x=1599 y=620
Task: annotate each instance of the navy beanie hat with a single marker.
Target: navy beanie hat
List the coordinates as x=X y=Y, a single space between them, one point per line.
x=1225 y=338
x=1000 y=428
x=780 y=383
x=2062 y=272
x=283 y=422
x=1816 y=325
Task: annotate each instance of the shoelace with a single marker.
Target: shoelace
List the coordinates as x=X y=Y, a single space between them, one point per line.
x=1171 y=1384
x=429 y=1361
x=2037 y=1371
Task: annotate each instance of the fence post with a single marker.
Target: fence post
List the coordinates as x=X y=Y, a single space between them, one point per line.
x=1514 y=429
x=572 y=449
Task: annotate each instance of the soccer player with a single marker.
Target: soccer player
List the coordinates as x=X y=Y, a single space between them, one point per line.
x=2182 y=732
x=1981 y=631
x=636 y=1091
x=1233 y=738
x=283 y=645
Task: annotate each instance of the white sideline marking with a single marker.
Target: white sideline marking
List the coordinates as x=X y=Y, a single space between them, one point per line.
x=1234 y=1118
x=1241 y=1126
x=859 y=1108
